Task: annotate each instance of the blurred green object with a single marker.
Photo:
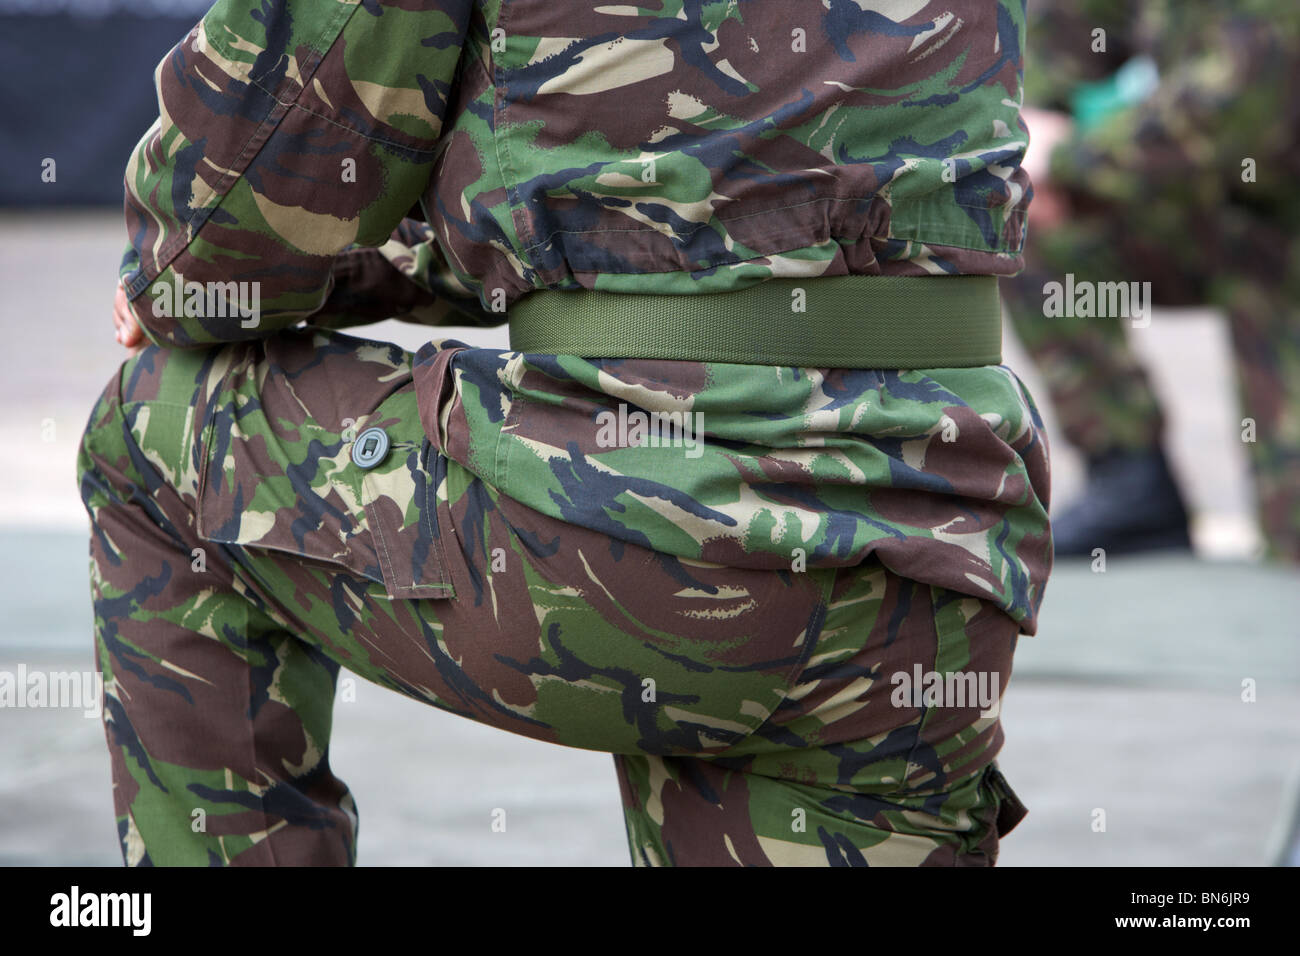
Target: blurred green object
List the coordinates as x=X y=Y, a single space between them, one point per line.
x=1093 y=103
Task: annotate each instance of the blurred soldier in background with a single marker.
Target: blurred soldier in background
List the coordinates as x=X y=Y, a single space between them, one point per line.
x=1168 y=138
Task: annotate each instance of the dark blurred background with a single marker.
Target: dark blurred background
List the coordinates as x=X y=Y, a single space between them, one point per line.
x=78 y=86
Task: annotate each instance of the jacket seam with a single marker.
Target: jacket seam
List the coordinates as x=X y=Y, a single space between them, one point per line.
x=509 y=178
x=293 y=105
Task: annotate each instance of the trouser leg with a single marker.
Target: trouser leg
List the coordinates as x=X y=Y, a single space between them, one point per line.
x=768 y=686
x=850 y=770
x=1265 y=322
x=217 y=718
x=221 y=679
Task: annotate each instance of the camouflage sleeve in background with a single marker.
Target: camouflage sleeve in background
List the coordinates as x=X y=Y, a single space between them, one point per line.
x=1064 y=49
x=689 y=148
x=1226 y=93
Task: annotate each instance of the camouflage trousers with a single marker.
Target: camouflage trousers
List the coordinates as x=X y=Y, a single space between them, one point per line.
x=750 y=713
x=1101 y=392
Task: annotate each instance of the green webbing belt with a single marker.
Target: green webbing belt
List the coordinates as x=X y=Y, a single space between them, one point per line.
x=845 y=322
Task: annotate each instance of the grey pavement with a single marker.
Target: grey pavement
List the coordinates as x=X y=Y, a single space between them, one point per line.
x=1129 y=701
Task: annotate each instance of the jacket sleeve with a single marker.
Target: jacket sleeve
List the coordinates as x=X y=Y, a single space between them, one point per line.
x=407 y=278
x=293 y=137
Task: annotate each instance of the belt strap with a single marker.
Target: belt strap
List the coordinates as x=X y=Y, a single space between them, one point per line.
x=827 y=322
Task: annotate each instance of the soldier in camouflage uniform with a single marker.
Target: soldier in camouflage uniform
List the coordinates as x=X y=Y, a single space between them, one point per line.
x=1192 y=188
x=271 y=502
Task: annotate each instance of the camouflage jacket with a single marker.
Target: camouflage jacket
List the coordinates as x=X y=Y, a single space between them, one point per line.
x=557 y=144
x=435 y=161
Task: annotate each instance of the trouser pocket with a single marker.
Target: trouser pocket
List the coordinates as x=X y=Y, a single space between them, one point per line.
x=330 y=464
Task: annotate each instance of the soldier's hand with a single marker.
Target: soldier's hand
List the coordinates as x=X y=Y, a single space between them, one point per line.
x=128 y=329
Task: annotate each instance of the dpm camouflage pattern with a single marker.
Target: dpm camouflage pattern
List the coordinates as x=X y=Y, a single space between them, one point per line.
x=940 y=474
x=1159 y=194
x=685 y=148
x=239 y=558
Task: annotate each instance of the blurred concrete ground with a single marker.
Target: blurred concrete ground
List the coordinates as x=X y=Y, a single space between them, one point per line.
x=1129 y=700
